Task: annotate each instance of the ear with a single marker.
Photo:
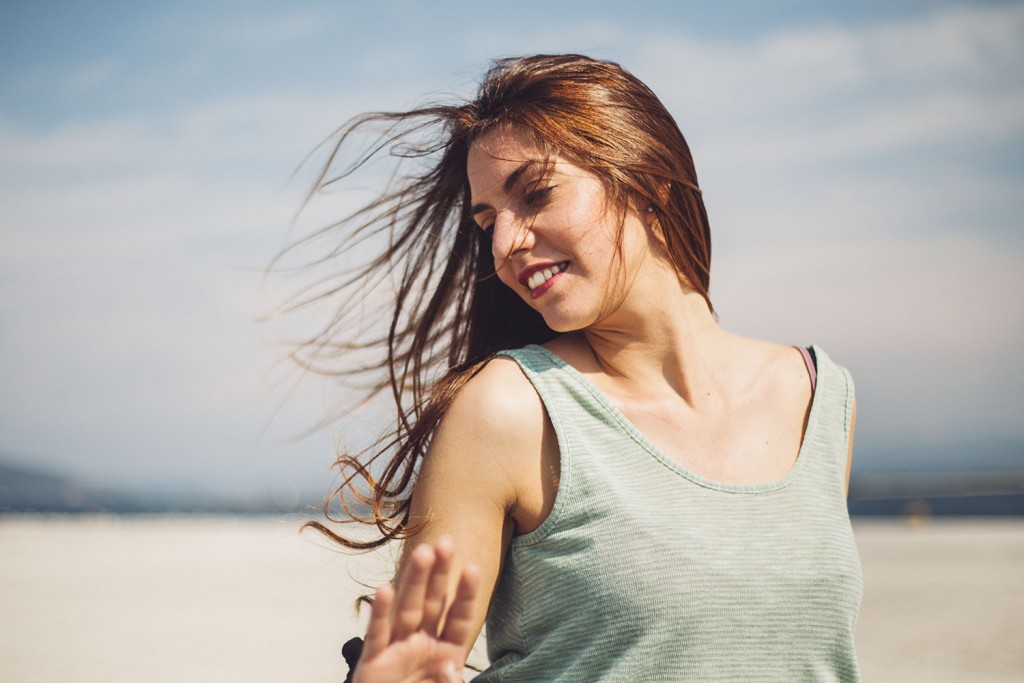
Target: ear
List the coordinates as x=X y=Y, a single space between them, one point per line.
x=651 y=212
x=650 y=208
x=649 y=216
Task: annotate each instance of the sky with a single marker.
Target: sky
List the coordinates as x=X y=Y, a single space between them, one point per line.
x=862 y=165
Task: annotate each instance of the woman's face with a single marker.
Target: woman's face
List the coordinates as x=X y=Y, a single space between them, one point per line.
x=555 y=237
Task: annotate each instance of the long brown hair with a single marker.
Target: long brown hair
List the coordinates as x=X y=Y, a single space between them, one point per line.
x=450 y=313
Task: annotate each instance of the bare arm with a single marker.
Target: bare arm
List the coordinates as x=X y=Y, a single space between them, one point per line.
x=475 y=480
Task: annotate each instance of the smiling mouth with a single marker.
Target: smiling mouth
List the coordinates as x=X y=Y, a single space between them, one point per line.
x=541 y=276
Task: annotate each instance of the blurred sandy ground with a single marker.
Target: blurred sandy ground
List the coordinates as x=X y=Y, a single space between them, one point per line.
x=943 y=600
x=119 y=599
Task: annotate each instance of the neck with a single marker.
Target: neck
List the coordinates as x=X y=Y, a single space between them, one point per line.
x=667 y=343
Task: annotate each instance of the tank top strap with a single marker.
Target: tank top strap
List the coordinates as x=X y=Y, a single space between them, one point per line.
x=812 y=371
x=828 y=432
x=557 y=385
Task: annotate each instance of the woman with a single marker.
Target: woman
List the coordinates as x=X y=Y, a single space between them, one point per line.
x=635 y=493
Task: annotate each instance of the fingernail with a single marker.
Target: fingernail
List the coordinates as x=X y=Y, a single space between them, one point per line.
x=450 y=673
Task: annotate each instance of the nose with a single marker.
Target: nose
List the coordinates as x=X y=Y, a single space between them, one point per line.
x=510 y=234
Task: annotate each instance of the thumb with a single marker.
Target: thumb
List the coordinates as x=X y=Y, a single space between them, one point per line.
x=450 y=675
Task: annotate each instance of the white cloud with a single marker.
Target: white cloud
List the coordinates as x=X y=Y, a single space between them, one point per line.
x=955 y=73
x=955 y=121
x=969 y=42
x=132 y=259
x=98 y=145
x=960 y=45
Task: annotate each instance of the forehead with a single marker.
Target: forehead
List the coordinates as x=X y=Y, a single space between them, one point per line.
x=504 y=144
x=497 y=153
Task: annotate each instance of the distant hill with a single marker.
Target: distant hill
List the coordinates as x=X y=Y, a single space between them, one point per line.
x=980 y=453
x=25 y=489
x=28 y=490
x=983 y=476
x=977 y=493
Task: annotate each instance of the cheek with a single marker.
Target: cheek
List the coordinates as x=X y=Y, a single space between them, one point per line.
x=507 y=277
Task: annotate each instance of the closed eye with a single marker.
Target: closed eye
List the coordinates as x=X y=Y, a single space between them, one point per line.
x=538 y=197
x=486 y=223
x=534 y=199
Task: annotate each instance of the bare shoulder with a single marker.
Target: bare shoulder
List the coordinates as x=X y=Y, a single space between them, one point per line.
x=494 y=426
x=776 y=371
x=499 y=402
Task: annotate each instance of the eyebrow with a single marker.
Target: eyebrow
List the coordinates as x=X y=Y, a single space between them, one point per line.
x=510 y=182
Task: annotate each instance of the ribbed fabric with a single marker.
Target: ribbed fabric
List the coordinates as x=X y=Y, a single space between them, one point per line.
x=645 y=571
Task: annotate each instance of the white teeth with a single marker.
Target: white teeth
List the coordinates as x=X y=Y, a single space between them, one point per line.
x=542 y=276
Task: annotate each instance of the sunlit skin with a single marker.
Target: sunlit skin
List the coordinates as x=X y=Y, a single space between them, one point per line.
x=632 y=326
x=555 y=212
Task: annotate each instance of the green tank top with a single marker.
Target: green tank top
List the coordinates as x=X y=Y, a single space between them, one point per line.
x=645 y=571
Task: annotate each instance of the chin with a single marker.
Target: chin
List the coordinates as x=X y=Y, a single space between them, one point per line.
x=565 y=325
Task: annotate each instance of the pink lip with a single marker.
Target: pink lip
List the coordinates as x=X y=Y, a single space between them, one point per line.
x=545 y=286
x=524 y=275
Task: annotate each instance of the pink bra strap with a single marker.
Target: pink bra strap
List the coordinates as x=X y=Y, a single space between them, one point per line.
x=811 y=369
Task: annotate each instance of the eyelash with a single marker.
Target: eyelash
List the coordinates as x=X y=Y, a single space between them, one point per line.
x=539 y=196
x=533 y=198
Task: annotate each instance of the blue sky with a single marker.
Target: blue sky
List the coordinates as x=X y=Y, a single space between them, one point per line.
x=862 y=165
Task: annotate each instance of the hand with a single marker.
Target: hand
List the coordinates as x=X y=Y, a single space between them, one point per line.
x=402 y=643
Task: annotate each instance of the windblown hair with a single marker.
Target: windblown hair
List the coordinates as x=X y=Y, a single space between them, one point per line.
x=450 y=313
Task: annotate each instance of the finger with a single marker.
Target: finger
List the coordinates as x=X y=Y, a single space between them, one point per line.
x=411 y=591
x=378 y=632
x=459 y=626
x=450 y=674
x=437 y=585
